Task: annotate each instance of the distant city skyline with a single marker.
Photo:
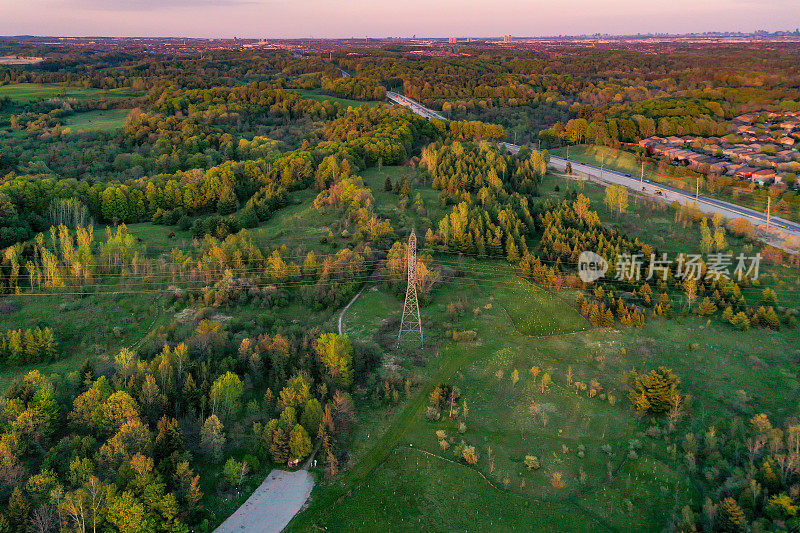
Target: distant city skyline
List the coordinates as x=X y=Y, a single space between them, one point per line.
x=356 y=18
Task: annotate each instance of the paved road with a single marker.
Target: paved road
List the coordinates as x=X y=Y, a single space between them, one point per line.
x=413 y=105
x=658 y=190
x=273 y=505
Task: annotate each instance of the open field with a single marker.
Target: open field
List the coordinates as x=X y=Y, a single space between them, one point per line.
x=30 y=92
x=396 y=482
x=388 y=204
x=618 y=472
x=316 y=94
x=100 y=120
x=96 y=324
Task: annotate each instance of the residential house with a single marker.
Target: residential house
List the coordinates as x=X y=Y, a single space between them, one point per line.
x=745 y=172
x=763 y=176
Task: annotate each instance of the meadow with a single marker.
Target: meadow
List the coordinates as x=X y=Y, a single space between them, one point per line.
x=99 y=120
x=615 y=471
x=319 y=96
x=23 y=93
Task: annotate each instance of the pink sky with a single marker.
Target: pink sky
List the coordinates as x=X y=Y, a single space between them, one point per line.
x=380 y=18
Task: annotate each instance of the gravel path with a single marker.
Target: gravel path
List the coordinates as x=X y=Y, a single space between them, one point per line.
x=346 y=307
x=272 y=506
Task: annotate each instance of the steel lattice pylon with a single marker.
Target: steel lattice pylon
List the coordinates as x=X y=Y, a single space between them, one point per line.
x=411 y=322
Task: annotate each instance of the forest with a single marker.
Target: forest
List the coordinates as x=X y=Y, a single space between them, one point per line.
x=253 y=216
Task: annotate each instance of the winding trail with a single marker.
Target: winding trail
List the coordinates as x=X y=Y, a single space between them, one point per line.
x=346 y=307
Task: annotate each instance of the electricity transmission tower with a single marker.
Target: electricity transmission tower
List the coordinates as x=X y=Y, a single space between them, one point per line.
x=411 y=323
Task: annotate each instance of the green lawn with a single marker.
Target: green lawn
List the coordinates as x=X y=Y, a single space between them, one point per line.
x=23 y=93
x=316 y=94
x=99 y=120
x=394 y=481
x=388 y=203
x=611 y=158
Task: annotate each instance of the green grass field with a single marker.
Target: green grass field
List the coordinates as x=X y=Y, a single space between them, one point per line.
x=401 y=478
x=316 y=94
x=95 y=324
x=395 y=481
x=23 y=93
x=388 y=203
x=100 y=120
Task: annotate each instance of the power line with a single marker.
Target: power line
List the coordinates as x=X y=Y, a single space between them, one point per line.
x=411 y=321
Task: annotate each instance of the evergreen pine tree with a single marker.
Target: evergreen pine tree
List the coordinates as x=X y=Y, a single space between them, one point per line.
x=731 y=517
x=279 y=447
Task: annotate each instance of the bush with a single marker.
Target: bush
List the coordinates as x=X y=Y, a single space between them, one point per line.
x=532 y=462
x=740 y=321
x=464 y=336
x=470 y=455
x=653 y=393
x=232 y=472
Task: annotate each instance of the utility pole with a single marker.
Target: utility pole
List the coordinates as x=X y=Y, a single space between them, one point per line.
x=641 y=179
x=567 y=152
x=411 y=321
x=769 y=205
x=697 y=190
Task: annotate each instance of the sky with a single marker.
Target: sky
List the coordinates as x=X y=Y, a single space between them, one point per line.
x=383 y=18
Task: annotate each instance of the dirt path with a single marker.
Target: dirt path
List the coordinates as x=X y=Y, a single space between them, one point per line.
x=346 y=307
x=273 y=505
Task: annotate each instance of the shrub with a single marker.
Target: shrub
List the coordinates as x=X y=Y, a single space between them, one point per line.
x=653 y=393
x=557 y=480
x=740 y=321
x=470 y=455
x=532 y=462
x=232 y=472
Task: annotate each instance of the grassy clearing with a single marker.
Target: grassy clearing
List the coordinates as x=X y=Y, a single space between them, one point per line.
x=413 y=491
x=393 y=483
x=611 y=158
x=316 y=94
x=387 y=490
x=100 y=120
x=388 y=203
x=301 y=224
x=23 y=93
x=95 y=325
x=401 y=477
